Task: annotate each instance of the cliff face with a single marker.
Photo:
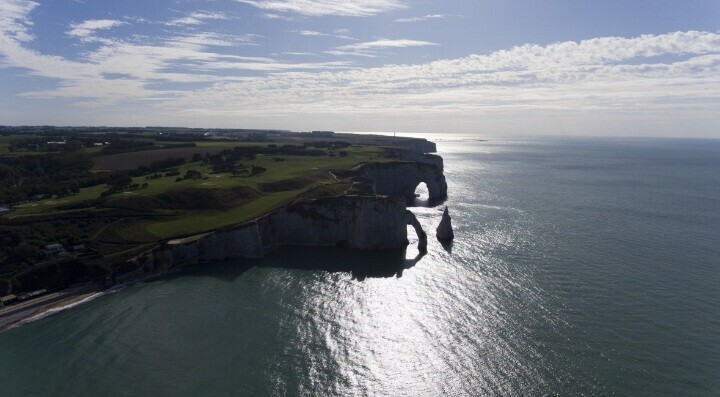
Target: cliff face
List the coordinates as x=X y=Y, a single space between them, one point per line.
x=401 y=179
x=364 y=223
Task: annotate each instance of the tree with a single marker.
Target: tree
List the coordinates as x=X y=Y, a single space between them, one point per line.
x=119 y=181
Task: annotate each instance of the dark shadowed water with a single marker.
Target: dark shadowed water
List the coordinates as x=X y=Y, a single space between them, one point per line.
x=580 y=267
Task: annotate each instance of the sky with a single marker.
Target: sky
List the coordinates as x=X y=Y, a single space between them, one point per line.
x=560 y=67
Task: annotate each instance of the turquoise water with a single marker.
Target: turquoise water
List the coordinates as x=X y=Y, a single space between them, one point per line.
x=580 y=267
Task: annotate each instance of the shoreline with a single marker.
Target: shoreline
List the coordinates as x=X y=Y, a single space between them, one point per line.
x=65 y=300
x=35 y=309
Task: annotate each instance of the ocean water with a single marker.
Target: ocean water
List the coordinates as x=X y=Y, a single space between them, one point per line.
x=580 y=267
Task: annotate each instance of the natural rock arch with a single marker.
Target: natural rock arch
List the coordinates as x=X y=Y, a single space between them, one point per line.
x=422 y=236
x=401 y=179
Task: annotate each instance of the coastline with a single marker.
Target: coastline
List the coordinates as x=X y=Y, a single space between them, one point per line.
x=377 y=221
x=65 y=300
x=14 y=316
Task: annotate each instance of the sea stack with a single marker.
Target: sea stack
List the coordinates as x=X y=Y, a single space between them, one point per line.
x=445 y=231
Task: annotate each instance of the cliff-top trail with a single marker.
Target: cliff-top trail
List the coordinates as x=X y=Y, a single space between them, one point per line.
x=93 y=207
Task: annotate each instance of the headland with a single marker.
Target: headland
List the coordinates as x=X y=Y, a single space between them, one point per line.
x=88 y=209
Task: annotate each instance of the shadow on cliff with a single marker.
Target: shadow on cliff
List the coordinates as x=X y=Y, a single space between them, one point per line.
x=361 y=264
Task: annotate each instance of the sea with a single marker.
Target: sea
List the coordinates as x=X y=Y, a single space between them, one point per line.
x=580 y=267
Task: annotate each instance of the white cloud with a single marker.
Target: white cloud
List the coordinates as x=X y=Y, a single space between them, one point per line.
x=385 y=43
x=14 y=19
x=315 y=33
x=369 y=48
x=122 y=71
x=197 y=18
x=85 y=30
x=424 y=18
x=271 y=15
x=608 y=75
x=356 y=8
x=207 y=39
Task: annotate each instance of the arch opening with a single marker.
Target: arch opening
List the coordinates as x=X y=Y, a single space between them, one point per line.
x=421 y=196
x=413 y=248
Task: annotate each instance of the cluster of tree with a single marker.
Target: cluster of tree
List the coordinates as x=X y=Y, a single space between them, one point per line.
x=121 y=182
x=243 y=170
x=193 y=174
x=51 y=174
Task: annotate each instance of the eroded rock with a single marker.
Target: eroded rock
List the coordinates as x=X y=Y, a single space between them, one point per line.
x=445 y=231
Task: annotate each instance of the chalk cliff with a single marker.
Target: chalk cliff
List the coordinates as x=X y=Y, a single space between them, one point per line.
x=357 y=222
x=365 y=223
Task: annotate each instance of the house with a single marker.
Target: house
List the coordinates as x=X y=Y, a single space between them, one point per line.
x=4 y=210
x=38 y=197
x=32 y=147
x=53 y=249
x=80 y=248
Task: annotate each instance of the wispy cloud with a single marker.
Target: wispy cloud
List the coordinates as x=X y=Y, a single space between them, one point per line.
x=15 y=19
x=85 y=31
x=121 y=70
x=270 y=15
x=369 y=48
x=197 y=18
x=315 y=33
x=356 y=8
x=424 y=18
x=386 y=43
x=610 y=74
x=208 y=39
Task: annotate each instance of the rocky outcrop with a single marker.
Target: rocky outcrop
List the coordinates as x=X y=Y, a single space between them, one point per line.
x=401 y=179
x=445 y=231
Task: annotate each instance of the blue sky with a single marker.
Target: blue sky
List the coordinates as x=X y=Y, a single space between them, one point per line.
x=489 y=67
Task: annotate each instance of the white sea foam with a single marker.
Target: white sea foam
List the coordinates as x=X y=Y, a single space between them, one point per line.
x=56 y=310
